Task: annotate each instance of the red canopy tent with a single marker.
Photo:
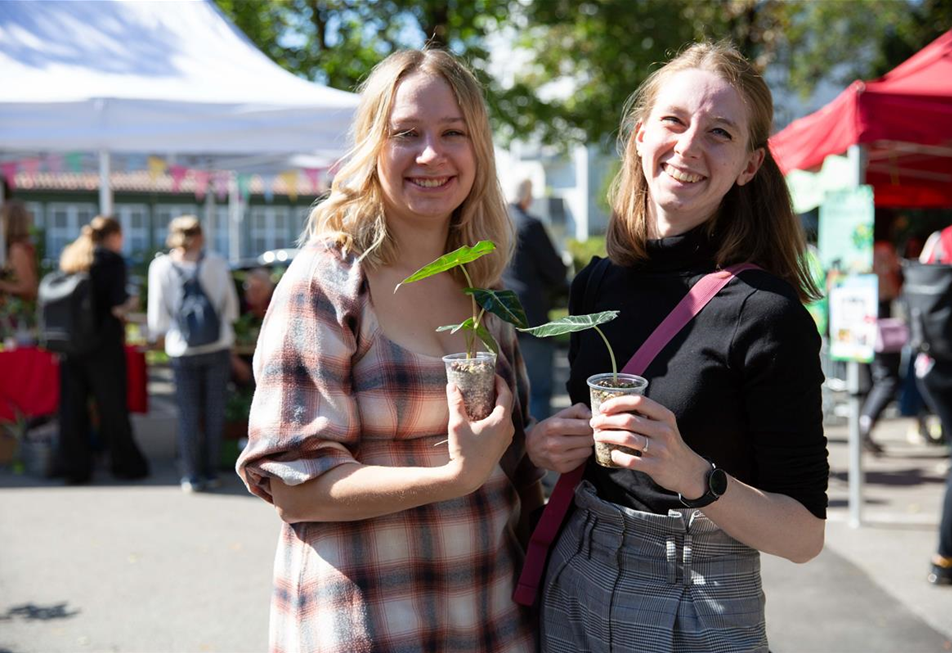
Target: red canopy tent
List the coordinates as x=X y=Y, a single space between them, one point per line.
x=904 y=119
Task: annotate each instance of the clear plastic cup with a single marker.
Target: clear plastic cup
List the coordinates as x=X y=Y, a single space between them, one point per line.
x=602 y=388
x=476 y=379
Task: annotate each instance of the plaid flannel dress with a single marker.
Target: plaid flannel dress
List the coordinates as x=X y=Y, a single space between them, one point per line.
x=332 y=389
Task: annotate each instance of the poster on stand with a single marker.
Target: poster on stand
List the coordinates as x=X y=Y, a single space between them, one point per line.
x=845 y=238
x=853 y=308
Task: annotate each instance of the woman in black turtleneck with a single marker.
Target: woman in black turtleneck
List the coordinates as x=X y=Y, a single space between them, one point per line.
x=662 y=553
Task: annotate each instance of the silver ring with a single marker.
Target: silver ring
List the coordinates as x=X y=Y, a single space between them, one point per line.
x=645 y=450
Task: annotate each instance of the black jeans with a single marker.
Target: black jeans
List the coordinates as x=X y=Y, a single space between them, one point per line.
x=884 y=373
x=102 y=374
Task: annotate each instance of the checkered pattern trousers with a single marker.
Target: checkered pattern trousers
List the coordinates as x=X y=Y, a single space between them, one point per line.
x=201 y=389
x=625 y=580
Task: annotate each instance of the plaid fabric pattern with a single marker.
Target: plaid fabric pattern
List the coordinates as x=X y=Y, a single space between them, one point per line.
x=332 y=389
x=623 y=580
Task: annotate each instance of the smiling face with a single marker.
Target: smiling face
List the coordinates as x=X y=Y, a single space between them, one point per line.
x=693 y=148
x=427 y=167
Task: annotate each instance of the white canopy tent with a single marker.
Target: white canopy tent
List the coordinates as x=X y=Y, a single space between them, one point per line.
x=157 y=76
x=162 y=77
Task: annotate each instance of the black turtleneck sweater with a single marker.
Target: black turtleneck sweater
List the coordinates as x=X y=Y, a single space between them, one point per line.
x=743 y=377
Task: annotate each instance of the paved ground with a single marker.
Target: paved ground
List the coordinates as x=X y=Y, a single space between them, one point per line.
x=142 y=568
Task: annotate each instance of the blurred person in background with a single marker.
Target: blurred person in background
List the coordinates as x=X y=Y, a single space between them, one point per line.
x=258 y=287
x=101 y=372
x=536 y=274
x=18 y=278
x=935 y=381
x=201 y=371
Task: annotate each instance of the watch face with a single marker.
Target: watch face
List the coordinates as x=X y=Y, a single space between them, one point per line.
x=718 y=482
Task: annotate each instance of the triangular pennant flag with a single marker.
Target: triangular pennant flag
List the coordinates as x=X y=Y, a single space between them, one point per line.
x=202 y=178
x=220 y=182
x=9 y=171
x=244 y=186
x=314 y=176
x=156 y=167
x=178 y=174
x=290 y=179
x=74 y=161
x=30 y=167
x=267 y=183
x=54 y=163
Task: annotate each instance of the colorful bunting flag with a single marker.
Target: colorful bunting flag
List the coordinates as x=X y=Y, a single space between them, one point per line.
x=178 y=174
x=220 y=183
x=156 y=167
x=290 y=179
x=267 y=182
x=314 y=176
x=9 y=171
x=244 y=186
x=74 y=161
x=202 y=177
x=54 y=163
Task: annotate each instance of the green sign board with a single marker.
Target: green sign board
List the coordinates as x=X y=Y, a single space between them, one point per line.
x=845 y=238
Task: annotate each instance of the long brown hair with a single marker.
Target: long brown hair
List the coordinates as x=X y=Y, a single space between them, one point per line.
x=78 y=255
x=755 y=222
x=16 y=219
x=353 y=214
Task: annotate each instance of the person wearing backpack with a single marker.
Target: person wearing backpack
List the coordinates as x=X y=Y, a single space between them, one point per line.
x=934 y=370
x=193 y=303
x=98 y=368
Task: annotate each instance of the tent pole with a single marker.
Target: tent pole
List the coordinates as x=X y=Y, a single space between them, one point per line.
x=105 y=189
x=234 y=220
x=857 y=157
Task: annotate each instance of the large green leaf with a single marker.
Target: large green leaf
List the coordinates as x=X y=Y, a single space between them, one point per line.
x=570 y=324
x=487 y=338
x=481 y=331
x=453 y=328
x=504 y=303
x=457 y=257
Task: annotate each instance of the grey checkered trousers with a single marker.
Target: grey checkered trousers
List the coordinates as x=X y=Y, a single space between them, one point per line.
x=624 y=580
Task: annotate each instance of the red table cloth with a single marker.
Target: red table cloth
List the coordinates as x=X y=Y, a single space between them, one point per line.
x=29 y=382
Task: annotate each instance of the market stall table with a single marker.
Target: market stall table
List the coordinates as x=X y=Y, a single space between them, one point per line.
x=29 y=382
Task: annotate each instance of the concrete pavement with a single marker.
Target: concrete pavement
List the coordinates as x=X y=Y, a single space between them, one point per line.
x=143 y=568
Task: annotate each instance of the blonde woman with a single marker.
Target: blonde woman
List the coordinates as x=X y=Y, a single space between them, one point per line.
x=399 y=513
x=100 y=372
x=201 y=367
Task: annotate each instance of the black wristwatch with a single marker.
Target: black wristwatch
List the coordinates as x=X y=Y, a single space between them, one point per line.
x=716 y=486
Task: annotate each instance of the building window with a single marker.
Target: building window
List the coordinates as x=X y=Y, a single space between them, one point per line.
x=134 y=219
x=64 y=222
x=270 y=228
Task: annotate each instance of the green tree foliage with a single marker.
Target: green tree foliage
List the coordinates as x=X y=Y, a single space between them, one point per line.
x=605 y=48
x=337 y=42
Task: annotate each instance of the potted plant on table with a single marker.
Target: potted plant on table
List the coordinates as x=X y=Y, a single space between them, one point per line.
x=473 y=371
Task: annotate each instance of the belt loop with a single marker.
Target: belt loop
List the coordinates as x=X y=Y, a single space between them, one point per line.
x=589 y=527
x=687 y=575
x=671 y=549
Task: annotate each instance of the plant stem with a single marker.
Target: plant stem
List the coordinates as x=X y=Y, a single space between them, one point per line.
x=470 y=339
x=610 y=353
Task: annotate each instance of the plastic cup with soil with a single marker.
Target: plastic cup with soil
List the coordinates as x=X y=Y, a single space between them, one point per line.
x=476 y=379
x=604 y=387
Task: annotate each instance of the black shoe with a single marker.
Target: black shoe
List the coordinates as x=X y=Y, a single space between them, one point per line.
x=72 y=479
x=872 y=447
x=130 y=474
x=940 y=575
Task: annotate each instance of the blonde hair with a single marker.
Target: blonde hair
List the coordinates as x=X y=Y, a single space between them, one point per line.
x=78 y=255
x=16 y=219
x=353 y=214
x=755 y=222
x=183 y=232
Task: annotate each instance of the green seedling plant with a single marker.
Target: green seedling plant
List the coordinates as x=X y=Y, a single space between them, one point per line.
x=504 y=304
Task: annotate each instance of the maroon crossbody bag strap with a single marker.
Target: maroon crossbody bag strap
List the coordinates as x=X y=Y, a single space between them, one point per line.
x=552 y=517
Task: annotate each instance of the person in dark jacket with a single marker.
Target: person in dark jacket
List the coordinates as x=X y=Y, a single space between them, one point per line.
x=102 y=371
x=537 y=275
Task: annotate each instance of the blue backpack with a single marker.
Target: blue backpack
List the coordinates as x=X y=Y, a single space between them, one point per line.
x=196 y=317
